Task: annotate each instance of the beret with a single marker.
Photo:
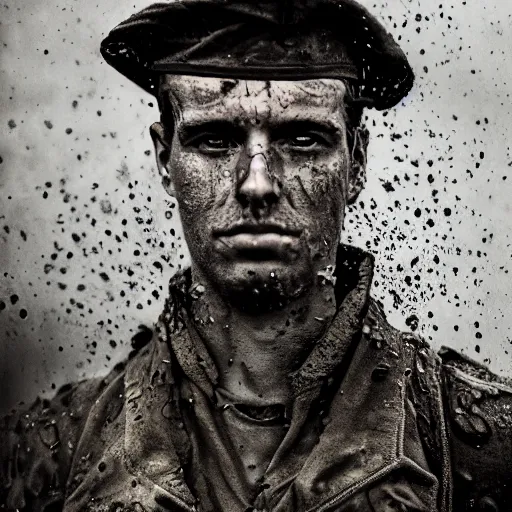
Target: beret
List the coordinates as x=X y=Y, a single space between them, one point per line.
x=262 y=40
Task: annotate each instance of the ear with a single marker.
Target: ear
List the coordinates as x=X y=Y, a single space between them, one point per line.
x=161 y=140
x=358 y=157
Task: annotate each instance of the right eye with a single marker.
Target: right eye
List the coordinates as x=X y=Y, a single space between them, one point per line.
x=214 y=144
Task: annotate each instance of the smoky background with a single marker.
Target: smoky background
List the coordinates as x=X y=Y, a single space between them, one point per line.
x=88 y=238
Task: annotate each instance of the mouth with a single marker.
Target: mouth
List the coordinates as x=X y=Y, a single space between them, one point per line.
x=258 y=242
x=257 y=229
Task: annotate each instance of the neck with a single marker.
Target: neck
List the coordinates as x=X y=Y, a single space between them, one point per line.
x=256 y=353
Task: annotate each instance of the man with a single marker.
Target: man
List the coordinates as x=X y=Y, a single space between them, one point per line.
x=272 y=381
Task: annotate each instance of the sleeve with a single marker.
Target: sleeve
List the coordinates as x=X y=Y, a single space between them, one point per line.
x=37 y=447
x=479 y=416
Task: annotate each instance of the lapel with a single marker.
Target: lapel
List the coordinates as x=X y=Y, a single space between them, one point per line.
x=152 y=417
x=126 y=458
x=364 y=439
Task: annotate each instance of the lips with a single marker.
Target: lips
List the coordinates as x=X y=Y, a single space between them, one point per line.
x=257 y=229
x=258 y=241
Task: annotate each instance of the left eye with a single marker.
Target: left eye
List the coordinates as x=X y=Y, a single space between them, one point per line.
x=306 y=142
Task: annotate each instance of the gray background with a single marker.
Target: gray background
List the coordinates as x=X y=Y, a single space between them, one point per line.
x=88 y=239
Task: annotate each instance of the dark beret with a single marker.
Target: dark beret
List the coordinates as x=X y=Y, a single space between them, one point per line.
x=262 y=40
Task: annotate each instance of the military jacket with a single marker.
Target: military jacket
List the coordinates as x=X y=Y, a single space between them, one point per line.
x=402 y=429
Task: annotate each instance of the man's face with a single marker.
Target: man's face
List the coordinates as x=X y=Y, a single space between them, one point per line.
x=261 y=174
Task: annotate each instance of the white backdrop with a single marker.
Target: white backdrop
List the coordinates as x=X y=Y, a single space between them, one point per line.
x=88 y=240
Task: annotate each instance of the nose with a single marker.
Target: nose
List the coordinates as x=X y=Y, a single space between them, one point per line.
x=257 y=189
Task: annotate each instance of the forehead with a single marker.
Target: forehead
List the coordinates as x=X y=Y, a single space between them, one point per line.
x=254 y=100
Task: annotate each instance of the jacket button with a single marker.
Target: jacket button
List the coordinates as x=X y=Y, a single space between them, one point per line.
x=487 y=504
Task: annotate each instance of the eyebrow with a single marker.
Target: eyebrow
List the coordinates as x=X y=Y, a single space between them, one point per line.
x=323 y=125
x=192 y=127
x=188 y=129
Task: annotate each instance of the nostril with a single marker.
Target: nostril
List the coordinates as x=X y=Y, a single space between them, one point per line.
x=257 y=196
x=242 y=199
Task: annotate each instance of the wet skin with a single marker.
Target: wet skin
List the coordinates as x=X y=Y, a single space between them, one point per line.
x=262 y=174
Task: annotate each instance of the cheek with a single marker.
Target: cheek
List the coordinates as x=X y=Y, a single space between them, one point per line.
x=321 y=184
x=200 y=183
x=319 y=192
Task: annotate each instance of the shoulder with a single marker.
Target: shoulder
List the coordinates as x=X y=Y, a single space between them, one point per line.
x=473 y=406
x=38 y=444
x=479 y=417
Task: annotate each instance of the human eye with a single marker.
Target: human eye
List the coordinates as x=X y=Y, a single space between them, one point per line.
x=214 y=143
x=306 y=142
x=212 y=138
x=304 y=139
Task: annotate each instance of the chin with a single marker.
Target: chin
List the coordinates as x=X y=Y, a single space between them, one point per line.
x=263 y=286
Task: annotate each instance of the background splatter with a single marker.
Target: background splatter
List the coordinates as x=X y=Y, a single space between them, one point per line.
x=88 y=239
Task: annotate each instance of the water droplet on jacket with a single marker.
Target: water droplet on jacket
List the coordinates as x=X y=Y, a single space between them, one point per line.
x=472 y=428
x=464 y=475
x=49 y=435
x=320 y=486
x=419 y=366
x=487 y=504
x=197 y=291
x=376 y=344
x=167 y=410
x=477 y=394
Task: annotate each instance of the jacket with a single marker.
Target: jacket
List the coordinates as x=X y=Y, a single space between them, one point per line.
x=405 y=430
